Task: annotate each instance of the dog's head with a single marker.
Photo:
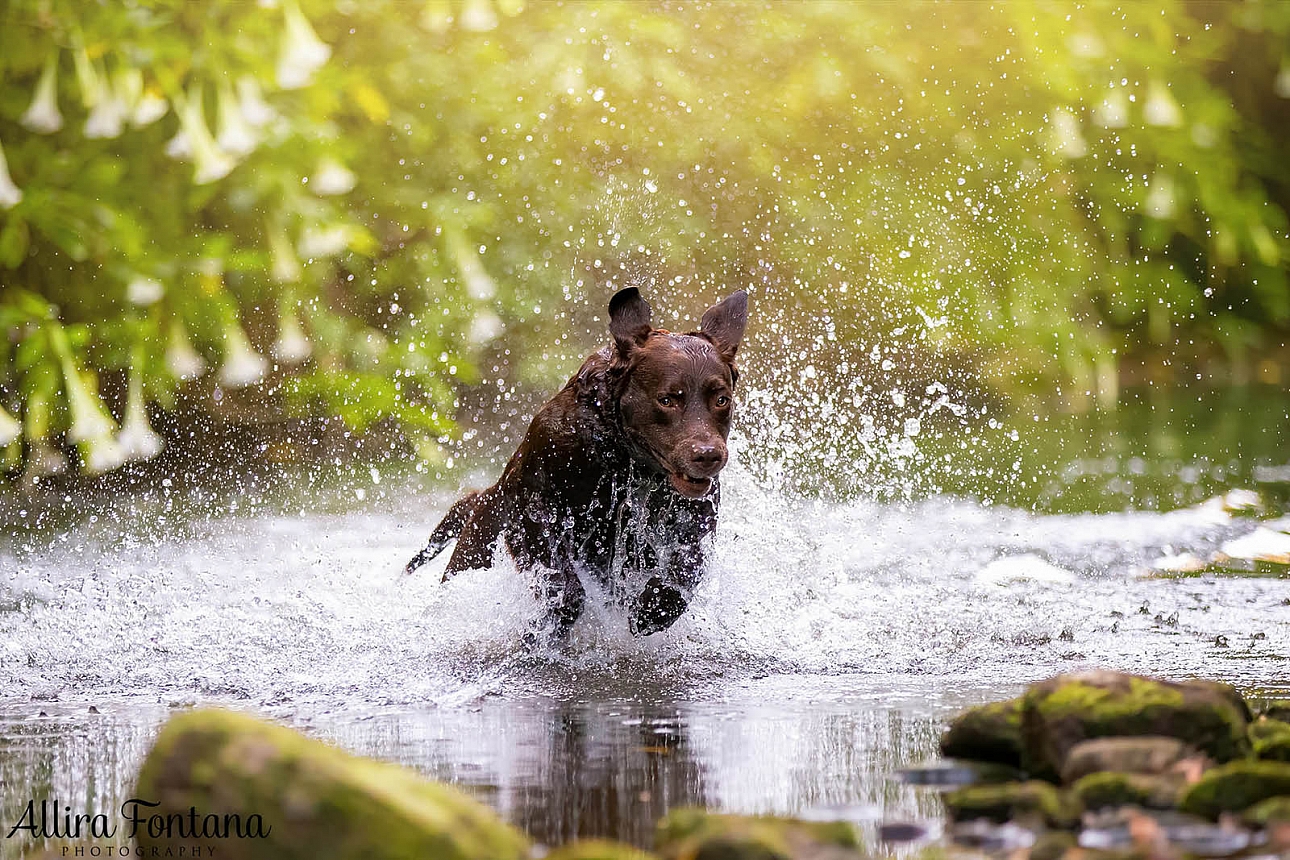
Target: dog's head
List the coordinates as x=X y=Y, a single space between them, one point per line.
x=676 y=391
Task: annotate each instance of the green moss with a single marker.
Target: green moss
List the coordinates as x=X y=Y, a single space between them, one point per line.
x=318 y=801
x=1061 y=712
x=1014 y=800
x=1052 y=845
x=1103 y=789
x=1265 y=812
x=695 y=834
x=1274 y=748
x=987 y=733
x=1264 y=728
x=1235 y=787
x=598 y=849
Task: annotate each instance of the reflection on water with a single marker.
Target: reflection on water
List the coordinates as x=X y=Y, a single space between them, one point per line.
x=823 y=748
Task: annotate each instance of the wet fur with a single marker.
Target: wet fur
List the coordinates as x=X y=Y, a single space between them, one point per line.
x=590 y=490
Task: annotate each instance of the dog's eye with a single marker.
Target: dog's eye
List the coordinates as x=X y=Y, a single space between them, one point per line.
x=723 y=401
x=666 y=400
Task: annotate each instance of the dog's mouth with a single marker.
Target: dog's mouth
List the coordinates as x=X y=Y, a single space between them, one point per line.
x=691 y=488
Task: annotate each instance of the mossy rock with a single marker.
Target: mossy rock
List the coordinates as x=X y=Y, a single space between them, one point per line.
x=1236 y=787
x=1014 y=801
x=1274 y=810
x=1103 y=789
x=1147 y=754
x=1263 y=728
x=1061 y=712
x=1274 y=748
x=986 y=733
x=598 y=849
x=1053 y=845
x=696 y=834
x=314 y=801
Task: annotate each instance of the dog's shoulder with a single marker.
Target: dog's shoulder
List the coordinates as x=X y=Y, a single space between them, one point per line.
x=581 y=418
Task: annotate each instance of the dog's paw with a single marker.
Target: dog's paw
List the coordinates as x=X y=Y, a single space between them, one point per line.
x=656 y=609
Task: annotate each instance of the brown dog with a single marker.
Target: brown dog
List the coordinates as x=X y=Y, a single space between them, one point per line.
x=617 y=475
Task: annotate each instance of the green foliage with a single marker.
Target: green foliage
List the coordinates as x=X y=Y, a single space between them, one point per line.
x=373 y=203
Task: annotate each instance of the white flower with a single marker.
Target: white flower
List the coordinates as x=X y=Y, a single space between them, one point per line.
x=106 y=119
x=87 y=77
x=90 y=418
x=143 y=291
x=108 y=113
x=1066 y=139
x=332 y=178
x=178 y=147
x=1113 y=112
x=257 y=111
x=43 y=116
x=235 y=133
x=485 y=328
x=151 y=107
x=291 y=347
x=302 y=52
x=1160 y=202
x=182 y=360
x=100 y=454
x=127 y=84
x=10 y=194
x=137 y=440
x=10 y=429
x=285 y=268
x=478 y=16
x=242 y=366
x=211 y=162
x=1161 y=109
x=322 y=241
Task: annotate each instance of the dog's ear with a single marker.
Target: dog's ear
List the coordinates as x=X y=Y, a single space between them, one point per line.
x=629 y=317
x=725 y=322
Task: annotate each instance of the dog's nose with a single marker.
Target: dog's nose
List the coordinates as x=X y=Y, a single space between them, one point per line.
x=707 y=459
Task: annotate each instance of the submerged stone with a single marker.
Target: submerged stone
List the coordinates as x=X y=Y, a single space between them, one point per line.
x=1236 y=787
x=986 y=733
x=598 y=849
x=1064 y=711
x=1148 y=754
x=1015 y=801
x=696 y=834
x=1103 y=789
x=305 y=798
x=1130 y=829
x=990 y=837
x=953 y=772
x=1052 y=845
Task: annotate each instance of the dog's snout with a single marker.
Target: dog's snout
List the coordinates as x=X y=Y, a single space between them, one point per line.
x=707 y=459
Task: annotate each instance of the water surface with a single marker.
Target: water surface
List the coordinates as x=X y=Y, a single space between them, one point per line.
x=827 y=647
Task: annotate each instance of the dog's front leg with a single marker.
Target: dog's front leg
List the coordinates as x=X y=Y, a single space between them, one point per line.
x=565 y=598
x=665 y=598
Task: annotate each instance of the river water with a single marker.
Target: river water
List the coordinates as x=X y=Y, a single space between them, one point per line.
x=830 y=642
